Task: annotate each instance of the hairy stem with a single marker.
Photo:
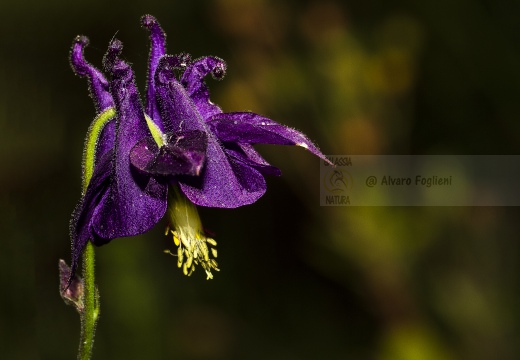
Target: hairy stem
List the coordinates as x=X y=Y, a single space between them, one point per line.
x=89 y=315
x=90 y=312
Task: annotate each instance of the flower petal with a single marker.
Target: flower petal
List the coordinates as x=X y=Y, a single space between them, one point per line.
x=222 y=185
x=134 y=203
x=81 y=221
x=251 y=128
x=144 y=154
x=183 y=154
x=157 y=50
x=250 y=179
x=106 y=140
x=218 y=185
x=193 y=81
x=98 y=84
x=177 y=109
x=246 y=154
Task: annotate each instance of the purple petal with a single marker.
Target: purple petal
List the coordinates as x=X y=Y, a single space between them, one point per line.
x=81 y=222
x=106 y=140
x=177 y=109
x=157 y=50
x=246 y=154
x=193 y=81
x=250 y=179
x=251 y=128
x=218 y=185
x=184 y=154
x=144 y=154
x=222 y=185
x=98 y=85
x=134 y=203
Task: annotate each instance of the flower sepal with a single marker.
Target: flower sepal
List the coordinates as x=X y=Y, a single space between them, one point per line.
x=71 y=287
x=180 y=154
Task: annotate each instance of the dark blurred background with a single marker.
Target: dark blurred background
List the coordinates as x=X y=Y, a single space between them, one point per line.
x=297 y=281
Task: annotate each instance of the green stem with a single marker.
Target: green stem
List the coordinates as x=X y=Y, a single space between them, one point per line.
x=90 y=312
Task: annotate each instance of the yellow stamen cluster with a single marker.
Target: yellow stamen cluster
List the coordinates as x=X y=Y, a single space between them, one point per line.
x=188 y=234
x=194 y=250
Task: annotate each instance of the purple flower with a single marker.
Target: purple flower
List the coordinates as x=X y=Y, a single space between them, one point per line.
x=116 y=201
x=233 y=173
x=180 y=138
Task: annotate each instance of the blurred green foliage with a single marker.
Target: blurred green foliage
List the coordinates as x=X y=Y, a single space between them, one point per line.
x=297 y=281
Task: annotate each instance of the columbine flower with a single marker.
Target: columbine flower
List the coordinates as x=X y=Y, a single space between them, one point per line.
x=117 y=200
x=233 y=173
x=183 y=139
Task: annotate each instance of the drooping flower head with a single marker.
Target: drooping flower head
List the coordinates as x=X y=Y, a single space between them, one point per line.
x=116 y=201
x=134 y=155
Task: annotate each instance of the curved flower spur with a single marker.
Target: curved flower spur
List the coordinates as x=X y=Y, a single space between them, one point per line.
x=181 y=150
